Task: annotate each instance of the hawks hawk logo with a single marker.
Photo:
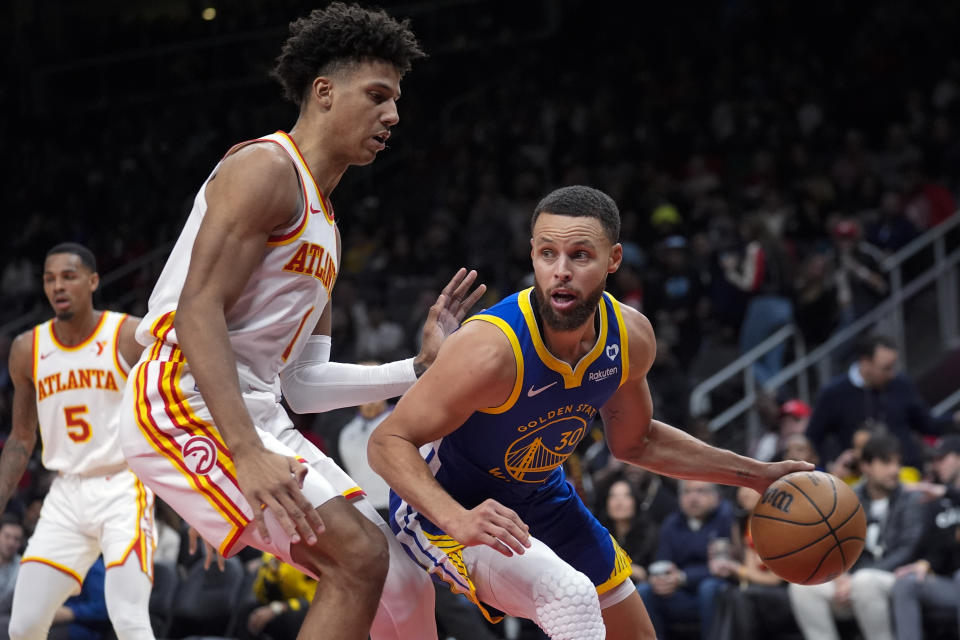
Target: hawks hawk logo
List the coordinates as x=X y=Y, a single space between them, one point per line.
x=200 y=454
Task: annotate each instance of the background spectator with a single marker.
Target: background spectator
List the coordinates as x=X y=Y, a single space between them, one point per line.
x=680 y=585
x=758 y=600
x=895 y=526
x=11 y=539
x=633 y=531
x=933 y=581
x=875 y=396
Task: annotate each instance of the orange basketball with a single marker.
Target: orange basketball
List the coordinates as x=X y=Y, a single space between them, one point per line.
x=808 y=527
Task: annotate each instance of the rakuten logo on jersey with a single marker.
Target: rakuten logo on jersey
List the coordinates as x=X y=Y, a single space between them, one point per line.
x=597 y=376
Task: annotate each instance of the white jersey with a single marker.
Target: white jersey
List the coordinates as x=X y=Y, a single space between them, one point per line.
x=78 y=395
x=270 y=322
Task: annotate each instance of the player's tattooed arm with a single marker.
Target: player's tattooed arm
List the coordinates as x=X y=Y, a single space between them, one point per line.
x=23 y=437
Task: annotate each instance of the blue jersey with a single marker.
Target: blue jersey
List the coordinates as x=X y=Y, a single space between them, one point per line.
x=511 y=451
x=514 y=453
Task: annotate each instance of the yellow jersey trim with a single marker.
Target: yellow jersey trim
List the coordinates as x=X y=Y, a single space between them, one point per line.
x=116 y=346
x=622 y=568
x=56 y=565
x=324 y=205
x=624 y=339
x=454 y=552
x=572 y=377
x=84 y=342
x=508 y=331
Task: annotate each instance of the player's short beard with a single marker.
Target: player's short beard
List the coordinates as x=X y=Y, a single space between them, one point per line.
x=65 y=315
x=575 y=317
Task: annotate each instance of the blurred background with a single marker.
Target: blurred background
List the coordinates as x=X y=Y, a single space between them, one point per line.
x=825 y=133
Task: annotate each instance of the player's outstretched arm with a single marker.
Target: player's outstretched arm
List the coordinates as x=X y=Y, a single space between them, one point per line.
x=635 y=437
x=23 y=436
x=313 y=384
x=474 y=369
x=255 y=192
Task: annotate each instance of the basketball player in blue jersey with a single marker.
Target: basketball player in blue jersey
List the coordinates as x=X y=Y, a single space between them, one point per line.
x=474 y=450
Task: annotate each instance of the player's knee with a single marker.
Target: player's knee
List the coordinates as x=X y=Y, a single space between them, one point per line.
x=356 y=555
x=567 y=606
x=369 y=554
x=140 y=630
x=26 y=627
x=130 y=621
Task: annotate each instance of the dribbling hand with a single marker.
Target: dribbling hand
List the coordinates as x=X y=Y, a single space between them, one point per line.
x=775 y=470
x=447 y=312
x=272 y=481
x=494 y=525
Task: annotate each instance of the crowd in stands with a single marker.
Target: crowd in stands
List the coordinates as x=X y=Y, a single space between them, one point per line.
x=766 y=157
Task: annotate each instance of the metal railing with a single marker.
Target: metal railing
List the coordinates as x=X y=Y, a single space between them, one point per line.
x=943 y=273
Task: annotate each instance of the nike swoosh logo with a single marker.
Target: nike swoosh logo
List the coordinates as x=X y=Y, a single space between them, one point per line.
x=532 y=392
x=312 y=210
x=44 y=356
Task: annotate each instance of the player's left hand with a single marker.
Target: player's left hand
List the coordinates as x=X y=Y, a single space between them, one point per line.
x=775 y=470
x=445 y=315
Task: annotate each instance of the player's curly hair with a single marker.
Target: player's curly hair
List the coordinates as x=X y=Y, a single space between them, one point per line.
x=342 y=33
x=581 y=201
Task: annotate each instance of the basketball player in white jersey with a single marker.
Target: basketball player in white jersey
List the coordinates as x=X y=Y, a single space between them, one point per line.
x=68 y=375
x=247 y=282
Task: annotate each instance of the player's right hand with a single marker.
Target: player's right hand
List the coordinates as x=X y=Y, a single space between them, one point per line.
x=272 y=481
x=494 y=525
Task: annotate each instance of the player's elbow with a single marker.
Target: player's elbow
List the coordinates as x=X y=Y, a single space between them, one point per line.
x=297 y=398
x=376 y=454
x=633 y=452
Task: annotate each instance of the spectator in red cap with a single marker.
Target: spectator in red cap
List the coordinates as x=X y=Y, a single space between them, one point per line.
x=793 y=417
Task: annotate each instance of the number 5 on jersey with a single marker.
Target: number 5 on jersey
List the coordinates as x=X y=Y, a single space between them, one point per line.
x=78 y=429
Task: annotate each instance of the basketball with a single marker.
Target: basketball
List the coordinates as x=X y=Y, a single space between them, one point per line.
x=808 y=527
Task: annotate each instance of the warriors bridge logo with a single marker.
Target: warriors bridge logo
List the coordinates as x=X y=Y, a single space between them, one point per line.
x=200 y=454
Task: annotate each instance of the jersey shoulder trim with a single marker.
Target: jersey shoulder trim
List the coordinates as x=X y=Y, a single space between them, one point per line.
x=117 y=357
x=36 y=352
x=624 y=337
x=303 y=172
x=511 y=335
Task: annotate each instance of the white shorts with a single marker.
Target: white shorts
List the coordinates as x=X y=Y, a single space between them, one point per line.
x=83 y=517
x=169 y=439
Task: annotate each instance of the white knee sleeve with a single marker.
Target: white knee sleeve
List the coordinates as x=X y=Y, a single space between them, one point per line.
x=567 y=606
